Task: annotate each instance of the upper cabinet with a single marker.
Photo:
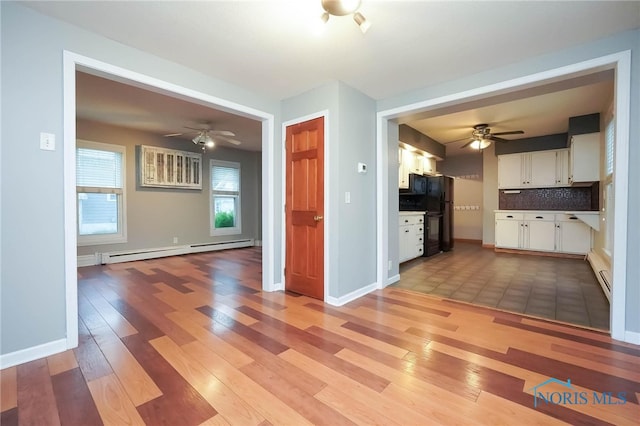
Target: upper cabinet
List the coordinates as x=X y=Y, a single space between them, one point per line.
x=584 y=162
x=538 y=169
x=413 y=162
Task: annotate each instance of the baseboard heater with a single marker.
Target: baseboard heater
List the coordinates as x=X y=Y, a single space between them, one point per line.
x=602 y=273
x=154 y=253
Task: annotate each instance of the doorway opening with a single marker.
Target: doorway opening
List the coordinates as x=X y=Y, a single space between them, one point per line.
x=387 y=129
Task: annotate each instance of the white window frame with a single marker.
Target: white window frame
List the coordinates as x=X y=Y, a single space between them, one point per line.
x=119 y=193
x=237 y=229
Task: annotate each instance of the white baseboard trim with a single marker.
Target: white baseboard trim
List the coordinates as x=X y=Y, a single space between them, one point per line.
x=157 y=252
x=339 y=301
x=632 y=337
x=88 y=260
x=278 y=287
x=33 y=353
x=392 y=280
x=258 y=243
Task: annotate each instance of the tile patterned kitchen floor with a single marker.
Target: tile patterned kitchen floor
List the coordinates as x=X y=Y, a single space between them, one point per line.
x=542 y=286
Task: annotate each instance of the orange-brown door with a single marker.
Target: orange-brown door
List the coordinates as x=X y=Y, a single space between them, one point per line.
x=304 y=265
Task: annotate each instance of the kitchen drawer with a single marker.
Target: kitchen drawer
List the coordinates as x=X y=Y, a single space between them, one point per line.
x=540 y=216
x=411 y=219
x=509 y=216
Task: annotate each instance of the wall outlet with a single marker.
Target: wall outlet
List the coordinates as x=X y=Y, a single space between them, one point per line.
x=175 y=240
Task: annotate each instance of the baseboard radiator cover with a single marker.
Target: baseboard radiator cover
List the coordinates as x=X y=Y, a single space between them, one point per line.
x=602 y=272
x=154 y=253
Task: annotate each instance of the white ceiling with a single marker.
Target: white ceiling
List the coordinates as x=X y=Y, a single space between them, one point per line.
x=411 y=44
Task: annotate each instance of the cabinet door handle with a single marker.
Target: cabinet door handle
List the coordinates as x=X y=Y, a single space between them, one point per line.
x=539 y=217
x=510 y=216
x=406 y=230
x=406 y=221
x=573 y=218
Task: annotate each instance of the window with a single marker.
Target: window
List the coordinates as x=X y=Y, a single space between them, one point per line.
x=225 y=198
x=608 y=189
x=100 y=191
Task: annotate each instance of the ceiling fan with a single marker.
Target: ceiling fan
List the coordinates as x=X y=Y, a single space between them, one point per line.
x=481 y=136
x=207 y=137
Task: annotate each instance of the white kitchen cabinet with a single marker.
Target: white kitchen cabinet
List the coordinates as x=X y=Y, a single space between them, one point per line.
x=572 y=235
x=510 y=171
x=538 y=169
x=542 y=231
x=539 y=232
x=525 y=231
x=509 y=230
x=403 y=169
x=541 y=172
x=429 y=166
x=411 y=234
x=584 y=163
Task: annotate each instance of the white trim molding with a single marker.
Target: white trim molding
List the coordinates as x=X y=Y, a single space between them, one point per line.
x=73 y=62
x=392 y=280
x=35 y=352
x=339 y=301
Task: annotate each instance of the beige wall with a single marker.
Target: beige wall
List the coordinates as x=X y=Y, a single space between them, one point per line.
x=156 y=215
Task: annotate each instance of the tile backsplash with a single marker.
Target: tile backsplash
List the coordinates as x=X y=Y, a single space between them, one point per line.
x=574 y=198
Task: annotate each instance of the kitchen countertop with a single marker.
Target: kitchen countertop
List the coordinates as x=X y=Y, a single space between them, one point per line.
x=410 y=213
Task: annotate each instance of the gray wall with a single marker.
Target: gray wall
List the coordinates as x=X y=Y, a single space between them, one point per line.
x=156 y=215
x=628 y=40
x=350 y=139
x=33 y=238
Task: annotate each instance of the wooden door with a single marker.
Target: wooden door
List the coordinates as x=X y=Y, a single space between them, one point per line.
x=304 y=209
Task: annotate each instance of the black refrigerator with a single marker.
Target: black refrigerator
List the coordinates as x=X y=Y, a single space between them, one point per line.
x=439 y=203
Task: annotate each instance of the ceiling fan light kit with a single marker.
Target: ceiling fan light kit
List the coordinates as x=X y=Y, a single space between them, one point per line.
x=481 y=137
x=342 y=8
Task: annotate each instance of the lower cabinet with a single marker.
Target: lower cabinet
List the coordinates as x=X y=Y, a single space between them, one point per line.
x=572 y=235
x=411 y=236
x=538 y=231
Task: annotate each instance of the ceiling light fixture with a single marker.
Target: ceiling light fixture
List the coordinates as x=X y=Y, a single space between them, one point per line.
x=342 y=8
x=203 y=138
x=480 y=143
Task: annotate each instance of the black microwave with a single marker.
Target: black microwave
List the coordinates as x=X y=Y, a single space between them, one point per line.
x=417 y=184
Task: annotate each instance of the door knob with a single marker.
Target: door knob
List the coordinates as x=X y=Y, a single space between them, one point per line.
x=317 y=218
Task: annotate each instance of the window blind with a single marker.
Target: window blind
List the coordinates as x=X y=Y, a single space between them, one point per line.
x=609 y=137
x=98 y=169
x=225 y=178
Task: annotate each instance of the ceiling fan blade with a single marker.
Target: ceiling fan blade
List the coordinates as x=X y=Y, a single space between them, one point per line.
x=170 y=135
x=515 y=132
x=231 y=141
x=493 y=137
x=221 y=133
x=467 y=144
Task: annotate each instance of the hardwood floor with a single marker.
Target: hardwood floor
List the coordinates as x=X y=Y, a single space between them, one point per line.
x=192 y=340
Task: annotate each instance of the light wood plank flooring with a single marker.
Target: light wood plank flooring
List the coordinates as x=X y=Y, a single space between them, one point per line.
x=192 y=340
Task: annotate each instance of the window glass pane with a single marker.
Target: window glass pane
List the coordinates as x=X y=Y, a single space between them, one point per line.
x=97 y=213
x=224 y=212
x=98 y=168
x=224 y=178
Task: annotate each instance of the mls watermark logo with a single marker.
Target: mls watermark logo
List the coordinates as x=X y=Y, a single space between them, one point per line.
x=568 y=395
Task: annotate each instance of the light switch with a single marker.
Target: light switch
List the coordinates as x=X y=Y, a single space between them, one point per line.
x=347 y=197
x=47 y=141
x=362 y=168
